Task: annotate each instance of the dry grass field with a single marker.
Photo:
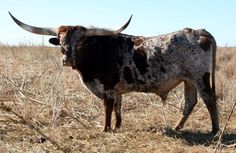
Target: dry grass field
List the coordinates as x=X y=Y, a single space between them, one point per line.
x=44 y=108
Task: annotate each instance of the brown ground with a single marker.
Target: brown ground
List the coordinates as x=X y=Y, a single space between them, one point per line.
x=44 y=108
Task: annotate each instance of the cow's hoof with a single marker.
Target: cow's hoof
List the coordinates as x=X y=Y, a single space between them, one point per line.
x=177 y=128
x=107 y=130
x=117 y=129
x=216 y=131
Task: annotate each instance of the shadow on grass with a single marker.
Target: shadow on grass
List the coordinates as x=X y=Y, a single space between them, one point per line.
x=200 y=138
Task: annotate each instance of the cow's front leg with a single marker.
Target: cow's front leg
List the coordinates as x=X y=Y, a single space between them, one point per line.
x=108 y=105
x=117 y=110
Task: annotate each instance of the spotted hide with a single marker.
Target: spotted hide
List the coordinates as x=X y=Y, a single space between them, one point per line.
x=110 y=65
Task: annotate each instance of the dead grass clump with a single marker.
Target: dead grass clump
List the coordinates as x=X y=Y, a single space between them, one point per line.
x=226 y=62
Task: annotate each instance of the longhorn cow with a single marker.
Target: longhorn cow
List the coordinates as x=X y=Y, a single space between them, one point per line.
x=111 y=64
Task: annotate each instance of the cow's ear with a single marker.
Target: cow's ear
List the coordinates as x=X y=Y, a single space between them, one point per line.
x=54 y=41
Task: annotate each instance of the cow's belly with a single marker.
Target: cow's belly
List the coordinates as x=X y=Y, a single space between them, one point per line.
x=165 y=87
x=158 y=87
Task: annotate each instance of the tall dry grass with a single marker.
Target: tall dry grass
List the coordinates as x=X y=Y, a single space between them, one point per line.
x=44 y=108
x=226 y=77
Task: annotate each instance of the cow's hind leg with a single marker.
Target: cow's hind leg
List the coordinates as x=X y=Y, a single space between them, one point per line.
x=117 y=110
x=190 y=95
x=208 y=96
x=108 y=105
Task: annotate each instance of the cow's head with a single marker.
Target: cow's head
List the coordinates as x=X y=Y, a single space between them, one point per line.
x=69 y=36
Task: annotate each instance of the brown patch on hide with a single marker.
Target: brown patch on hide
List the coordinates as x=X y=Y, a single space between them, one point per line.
x=62 y=29
x=120 y=87
x=205 y=43
x=188 y=30
x=138 y=41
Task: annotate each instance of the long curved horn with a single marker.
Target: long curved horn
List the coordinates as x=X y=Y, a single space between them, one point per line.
x=36 y=30
x=106 y=32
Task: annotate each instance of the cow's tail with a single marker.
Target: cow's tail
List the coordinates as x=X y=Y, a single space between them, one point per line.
x=214 y=47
